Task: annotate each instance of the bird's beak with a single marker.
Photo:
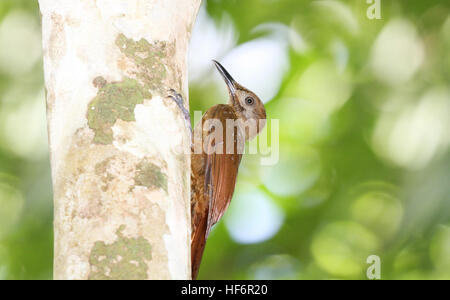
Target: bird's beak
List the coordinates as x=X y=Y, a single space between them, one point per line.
x=227 y=77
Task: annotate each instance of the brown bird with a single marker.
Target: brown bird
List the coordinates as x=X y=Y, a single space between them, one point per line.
x=215 y=167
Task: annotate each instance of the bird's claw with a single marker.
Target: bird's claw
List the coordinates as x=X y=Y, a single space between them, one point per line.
x=175 y=96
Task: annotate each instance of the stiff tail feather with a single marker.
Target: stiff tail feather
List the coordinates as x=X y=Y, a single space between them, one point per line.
x=198 y=243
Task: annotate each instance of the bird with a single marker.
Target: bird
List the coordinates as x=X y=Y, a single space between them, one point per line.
x=220 y=136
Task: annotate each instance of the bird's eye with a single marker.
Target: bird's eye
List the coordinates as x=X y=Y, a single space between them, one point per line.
x=249 y=101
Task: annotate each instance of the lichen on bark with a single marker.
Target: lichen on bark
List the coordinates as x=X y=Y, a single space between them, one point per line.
x=114 y=101
x=150 y=175
x=117 y=100
x=150 y=60
x=101 y=169
x=124 y=259
x=106 y=197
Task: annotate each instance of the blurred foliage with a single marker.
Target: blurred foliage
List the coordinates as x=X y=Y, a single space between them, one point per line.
x=364 y=141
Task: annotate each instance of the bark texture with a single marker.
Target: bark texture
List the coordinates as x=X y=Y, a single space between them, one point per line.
x=119 y=147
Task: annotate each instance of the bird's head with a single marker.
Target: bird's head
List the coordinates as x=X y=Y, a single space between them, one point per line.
x=246 y=104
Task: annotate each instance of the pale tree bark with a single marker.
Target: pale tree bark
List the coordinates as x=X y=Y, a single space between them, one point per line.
x=119 y=147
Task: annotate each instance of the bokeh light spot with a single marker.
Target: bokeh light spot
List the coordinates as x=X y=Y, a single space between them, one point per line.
x=259 y=65
x=25 y=119
x=325 y=83
x=411 y=136
x=11 y=204
x=21 y=43
x=440 y=248
x=253 y=218
x=275 y=267
x=342 y=248
x=379 y=211
x=209 y=41
x=339 y=13
x=397 y=53
x=295 y=173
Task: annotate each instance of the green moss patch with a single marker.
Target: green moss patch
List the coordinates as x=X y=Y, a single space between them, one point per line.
x=150 y=60
x=114 y=101
x=117 y=100
x=150 y=176
x=125 y=259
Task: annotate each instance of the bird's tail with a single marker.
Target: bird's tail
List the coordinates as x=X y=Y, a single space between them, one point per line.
x=198 y=242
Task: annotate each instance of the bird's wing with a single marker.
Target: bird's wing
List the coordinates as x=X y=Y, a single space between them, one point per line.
x=221 y=172
x=221 y=183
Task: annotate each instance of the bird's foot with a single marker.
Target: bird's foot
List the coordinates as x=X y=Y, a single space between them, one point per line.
x=179 y=101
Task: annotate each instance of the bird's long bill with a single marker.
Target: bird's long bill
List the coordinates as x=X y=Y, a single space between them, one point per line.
x=227 y=77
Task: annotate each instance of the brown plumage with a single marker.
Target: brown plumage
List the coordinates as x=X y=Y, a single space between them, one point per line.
x=214 y=173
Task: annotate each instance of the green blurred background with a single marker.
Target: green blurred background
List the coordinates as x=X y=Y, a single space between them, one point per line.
x=363 y=107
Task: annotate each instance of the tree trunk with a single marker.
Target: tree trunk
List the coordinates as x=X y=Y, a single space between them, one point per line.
x=119 y=147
